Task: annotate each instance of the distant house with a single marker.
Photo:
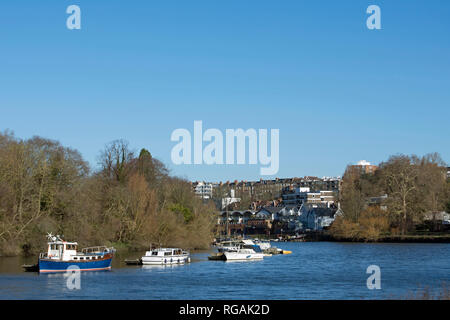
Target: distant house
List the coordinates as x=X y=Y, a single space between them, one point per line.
x=288 y=218
x=261 y=221
x=378 y=201
x=317 y=216
x=442 y=217
x=269 y=212
x=236 y=216
x=275 y=219
x=437 y=221
x=288 y=213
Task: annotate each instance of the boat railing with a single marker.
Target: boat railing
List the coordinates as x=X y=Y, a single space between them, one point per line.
x=95 y=250
x=43 y=255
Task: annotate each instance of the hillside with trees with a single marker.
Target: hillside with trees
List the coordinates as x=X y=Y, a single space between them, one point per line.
x=130 y=201
x=396 y=200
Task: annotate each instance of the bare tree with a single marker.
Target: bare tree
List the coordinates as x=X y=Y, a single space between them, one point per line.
x=400 y=182
x=115 y=158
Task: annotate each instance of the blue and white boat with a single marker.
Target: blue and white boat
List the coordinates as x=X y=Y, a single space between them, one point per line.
x=63 y=254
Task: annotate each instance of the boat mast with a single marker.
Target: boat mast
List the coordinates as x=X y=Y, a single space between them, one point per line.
x=228 y=227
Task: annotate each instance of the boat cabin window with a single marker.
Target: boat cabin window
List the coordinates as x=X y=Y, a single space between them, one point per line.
x=75 y=258
x=154 y=253
x=167 y=253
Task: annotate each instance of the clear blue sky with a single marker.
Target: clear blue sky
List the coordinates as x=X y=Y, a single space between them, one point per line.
x=137 y=70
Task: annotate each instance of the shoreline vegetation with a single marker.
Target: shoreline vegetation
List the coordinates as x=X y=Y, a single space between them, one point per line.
x=327 y=236
x=412 y=238
x=130 y=201
x=404 y=200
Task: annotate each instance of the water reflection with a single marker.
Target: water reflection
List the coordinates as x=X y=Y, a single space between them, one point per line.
x=241 y=261
x=161 y=266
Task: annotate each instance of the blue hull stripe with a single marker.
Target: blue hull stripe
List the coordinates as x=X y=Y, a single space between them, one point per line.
x=61 y=266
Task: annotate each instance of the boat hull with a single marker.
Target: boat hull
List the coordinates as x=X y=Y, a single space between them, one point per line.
x=165 y=260
x=231 y=256
x=49 y=266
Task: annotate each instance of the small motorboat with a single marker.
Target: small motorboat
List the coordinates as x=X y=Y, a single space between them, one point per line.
x=166 y=256
x=62 y=255
x=232 y=245
x=247 y=250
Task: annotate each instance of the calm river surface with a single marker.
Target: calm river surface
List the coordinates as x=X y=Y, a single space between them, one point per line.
x=315 y=270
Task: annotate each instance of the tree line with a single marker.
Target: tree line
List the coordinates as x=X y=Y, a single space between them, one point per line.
x=399 y=198
x=131 y=200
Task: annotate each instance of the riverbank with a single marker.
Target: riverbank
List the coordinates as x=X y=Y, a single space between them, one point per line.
x=412 y=238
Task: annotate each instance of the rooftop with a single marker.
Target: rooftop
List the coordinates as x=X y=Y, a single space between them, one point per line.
x=363 y=163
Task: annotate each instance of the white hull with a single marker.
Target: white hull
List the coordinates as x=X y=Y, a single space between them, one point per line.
x=165 y=260
x=242 y=256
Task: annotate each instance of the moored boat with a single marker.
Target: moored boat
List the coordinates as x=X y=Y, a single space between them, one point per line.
x=231 y=245
x=62 y=255
x=166 y=256
x=247 y=250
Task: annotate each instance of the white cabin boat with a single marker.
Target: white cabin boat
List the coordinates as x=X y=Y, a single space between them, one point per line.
x=247 y=250
x=162 y=256
x=228 y=246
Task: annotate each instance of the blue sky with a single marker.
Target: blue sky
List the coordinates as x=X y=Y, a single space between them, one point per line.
x=138 y=70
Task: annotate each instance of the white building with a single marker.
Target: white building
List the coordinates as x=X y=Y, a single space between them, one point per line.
x=230 y=200
x=302 y=195
x=297 y=196
x=204 y=190
x=317 y=216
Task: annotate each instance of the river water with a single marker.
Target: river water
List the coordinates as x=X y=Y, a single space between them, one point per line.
x=314 y=270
